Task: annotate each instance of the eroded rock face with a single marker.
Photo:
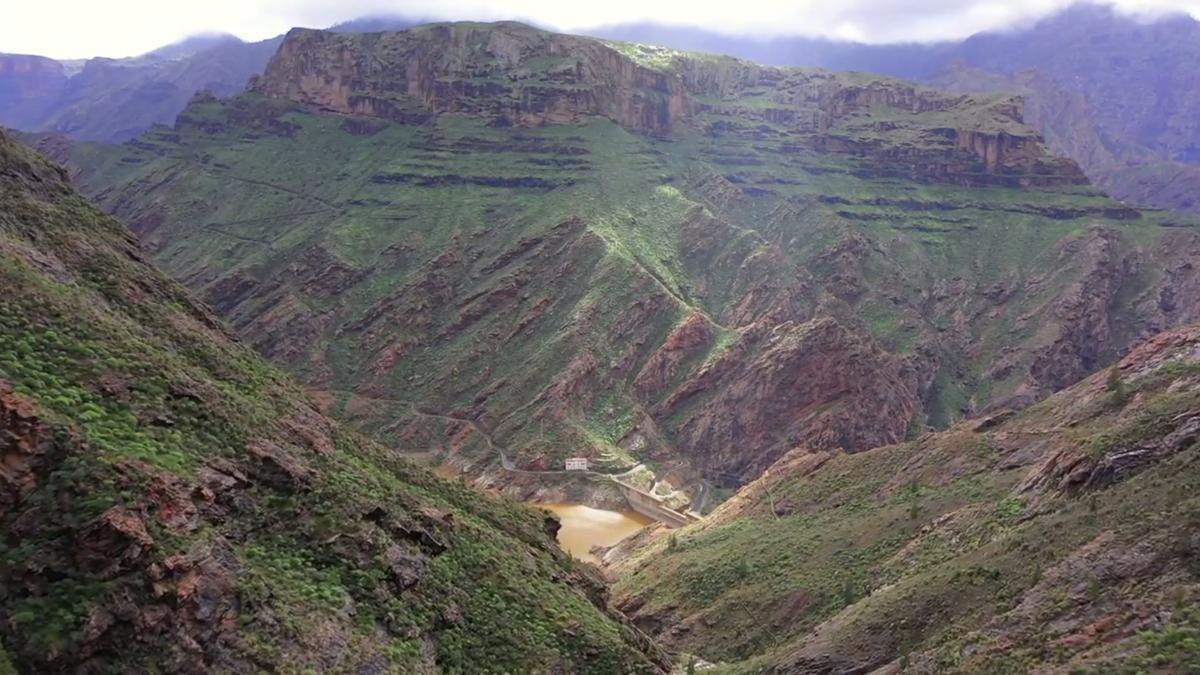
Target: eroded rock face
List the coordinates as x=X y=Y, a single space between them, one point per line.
x=807 y=385
x=515 y=75
x=500 y=71
x=1084 y=311
x=26 y=447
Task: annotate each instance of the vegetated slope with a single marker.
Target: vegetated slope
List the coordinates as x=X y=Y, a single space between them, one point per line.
x=116 y=99
x=169 y=502
x=1116 y=93
x=1065 y=538
x=635 y=254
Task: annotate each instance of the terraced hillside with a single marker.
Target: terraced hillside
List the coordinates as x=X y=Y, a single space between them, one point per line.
x=1063 y=539
x=680 y=262
x=171 y=503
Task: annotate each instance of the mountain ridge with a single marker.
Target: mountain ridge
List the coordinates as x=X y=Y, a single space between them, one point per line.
x=1125 y=122
x=772 y=222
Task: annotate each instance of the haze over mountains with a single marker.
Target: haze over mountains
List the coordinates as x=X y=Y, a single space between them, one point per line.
x=1114 y=93
x=931 y=394
x=1106 y=89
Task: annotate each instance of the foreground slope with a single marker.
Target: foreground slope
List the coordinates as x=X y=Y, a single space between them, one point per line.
x=650 y=258
x=1065 y=538
x=171 y=503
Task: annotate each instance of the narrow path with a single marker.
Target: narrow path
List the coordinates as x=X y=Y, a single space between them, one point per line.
x=505 y=461
x=262 y=183
x=508 y=465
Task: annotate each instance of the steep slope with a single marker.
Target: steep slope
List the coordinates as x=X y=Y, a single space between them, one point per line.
x=1065 y=538
x=1115 y=93
x=475 y=236
x=171 y=503
x=116 y=99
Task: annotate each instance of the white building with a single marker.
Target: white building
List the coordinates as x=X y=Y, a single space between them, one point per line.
x=577 y=464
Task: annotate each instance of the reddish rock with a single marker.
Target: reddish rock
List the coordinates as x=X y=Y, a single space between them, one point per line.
x=25 y=445
x=816 y=385
x=690 y=338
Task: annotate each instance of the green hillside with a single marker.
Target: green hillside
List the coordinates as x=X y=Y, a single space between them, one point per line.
x=1062 y=539
x=621 y=251
x=171 y=503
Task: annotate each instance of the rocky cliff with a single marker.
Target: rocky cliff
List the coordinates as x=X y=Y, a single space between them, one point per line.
x=29 y=86
x=170 y=502
x=513 y=74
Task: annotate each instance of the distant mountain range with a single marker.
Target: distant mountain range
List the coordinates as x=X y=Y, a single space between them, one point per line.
x=1119 y=96
x=113 y=100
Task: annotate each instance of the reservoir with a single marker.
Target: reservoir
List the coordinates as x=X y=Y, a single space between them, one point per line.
x=584 y=527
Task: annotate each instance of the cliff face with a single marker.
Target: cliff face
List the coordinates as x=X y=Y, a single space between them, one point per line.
x=515 y=75
x=168 y=501
x=511 y=73
x=29 y=87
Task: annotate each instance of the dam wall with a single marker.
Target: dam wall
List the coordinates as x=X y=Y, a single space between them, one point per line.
x=652 y=507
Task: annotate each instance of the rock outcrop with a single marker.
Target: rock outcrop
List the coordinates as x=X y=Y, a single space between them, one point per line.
x=515 y=75
x=801 y=386
x=512 y=73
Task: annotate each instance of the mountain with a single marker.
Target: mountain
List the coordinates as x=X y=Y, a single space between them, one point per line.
x=169 y=502
x=501 y=247
x=1064 y=538
x=1108 y=90
x=1113 y=92
x=116 y=99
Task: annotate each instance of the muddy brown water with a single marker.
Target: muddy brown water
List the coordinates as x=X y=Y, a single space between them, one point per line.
x=584 y=527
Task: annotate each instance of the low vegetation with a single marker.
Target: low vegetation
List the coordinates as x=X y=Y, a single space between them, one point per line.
x=175 y=503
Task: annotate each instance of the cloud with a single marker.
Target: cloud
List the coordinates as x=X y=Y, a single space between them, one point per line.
x=71 y=29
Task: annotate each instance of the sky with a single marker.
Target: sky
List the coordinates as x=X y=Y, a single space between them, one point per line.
x=68 y=29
